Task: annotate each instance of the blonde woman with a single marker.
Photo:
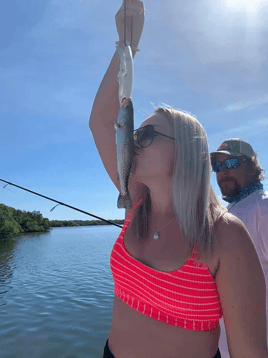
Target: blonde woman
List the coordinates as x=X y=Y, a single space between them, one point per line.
x=181 y=261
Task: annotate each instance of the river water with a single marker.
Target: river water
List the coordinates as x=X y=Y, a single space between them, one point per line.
x=56 y=293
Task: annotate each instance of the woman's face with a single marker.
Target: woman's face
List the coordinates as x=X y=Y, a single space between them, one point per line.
x=155 y=161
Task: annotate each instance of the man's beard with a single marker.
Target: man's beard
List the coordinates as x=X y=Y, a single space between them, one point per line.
x=230 y=189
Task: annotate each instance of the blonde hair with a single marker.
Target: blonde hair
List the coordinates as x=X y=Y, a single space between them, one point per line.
x=195 y=203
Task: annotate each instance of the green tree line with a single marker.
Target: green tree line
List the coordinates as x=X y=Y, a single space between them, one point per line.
x=14 y=222
x=64 y=223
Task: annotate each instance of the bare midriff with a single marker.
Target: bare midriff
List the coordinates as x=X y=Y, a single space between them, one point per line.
x=135 y=335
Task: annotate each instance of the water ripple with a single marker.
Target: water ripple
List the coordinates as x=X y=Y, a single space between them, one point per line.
x=56 y=293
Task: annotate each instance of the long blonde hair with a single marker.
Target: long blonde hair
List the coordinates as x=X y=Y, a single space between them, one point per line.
x=195 y=203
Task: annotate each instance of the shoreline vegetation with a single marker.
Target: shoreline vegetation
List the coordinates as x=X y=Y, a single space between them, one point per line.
x=14 y=222
x=65 y=223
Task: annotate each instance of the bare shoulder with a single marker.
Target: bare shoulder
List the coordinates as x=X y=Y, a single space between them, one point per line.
x=241 y=286
x=228 y=227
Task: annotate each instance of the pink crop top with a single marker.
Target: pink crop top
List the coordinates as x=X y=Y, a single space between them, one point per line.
x=186 y=298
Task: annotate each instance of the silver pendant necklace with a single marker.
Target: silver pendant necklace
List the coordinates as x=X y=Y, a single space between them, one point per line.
x=156 y=234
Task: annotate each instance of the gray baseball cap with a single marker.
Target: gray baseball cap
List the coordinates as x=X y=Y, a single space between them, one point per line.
x=234 y=147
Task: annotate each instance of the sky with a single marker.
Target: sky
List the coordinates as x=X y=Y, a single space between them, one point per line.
x=208 y=58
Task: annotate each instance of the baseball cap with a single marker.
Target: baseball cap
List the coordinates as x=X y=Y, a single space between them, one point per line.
x=235 y=147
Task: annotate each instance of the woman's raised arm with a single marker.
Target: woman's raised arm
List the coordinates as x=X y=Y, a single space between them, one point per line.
x=106 y=104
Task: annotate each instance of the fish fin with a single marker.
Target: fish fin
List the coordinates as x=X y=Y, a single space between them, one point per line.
x=124 y=201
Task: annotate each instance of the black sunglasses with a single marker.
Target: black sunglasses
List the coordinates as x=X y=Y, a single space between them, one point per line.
x=231 y=163
x=145 y=135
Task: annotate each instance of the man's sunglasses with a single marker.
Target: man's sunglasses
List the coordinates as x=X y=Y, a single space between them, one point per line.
x=145 y=135
x=231 y=163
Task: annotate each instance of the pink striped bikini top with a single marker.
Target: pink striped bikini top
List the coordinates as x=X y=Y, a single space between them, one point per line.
x=186 y=298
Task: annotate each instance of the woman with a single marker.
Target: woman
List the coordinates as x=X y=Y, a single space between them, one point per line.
x=181 y=261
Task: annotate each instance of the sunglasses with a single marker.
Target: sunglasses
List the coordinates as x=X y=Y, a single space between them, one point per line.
x=145 y=135
x=231 y=163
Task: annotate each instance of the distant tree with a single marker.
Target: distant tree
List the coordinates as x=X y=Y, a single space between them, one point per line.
x=14 y=222
x=65 y=223
x=9 y=228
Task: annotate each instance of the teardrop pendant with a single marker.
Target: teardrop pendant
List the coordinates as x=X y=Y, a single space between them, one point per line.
x=156 y=235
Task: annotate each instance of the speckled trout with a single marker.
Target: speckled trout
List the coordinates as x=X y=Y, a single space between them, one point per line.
x=124 y=128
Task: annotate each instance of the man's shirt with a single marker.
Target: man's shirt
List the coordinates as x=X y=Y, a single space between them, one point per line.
x=253 y=211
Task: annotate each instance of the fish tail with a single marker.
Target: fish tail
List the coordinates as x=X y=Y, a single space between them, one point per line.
x=124 y=201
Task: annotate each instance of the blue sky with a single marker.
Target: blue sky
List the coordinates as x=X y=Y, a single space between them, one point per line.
x=205 y=57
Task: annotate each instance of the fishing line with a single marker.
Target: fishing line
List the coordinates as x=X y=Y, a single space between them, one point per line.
x=92 y=232
x=125 y=25
x=125 y=22
x=10 y=190
x=59 y=202
x=131 y=30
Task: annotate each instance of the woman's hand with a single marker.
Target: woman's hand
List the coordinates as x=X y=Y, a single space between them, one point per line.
x=135 y=10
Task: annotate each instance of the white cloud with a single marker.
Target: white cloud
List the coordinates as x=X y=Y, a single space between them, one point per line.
x=251 y=128
x=248 y=104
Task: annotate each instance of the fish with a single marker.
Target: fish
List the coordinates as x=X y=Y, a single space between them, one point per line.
x=124 y=128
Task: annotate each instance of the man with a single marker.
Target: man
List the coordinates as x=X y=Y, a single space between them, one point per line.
x=239 y=177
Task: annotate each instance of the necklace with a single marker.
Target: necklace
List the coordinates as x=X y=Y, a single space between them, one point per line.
x=156 y=234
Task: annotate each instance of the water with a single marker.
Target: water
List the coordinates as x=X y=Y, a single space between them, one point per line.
x=56 y=293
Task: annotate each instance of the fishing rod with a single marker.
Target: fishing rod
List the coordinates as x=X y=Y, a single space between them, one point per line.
x=56 y=201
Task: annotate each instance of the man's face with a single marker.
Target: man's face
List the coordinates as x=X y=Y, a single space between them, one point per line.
x=231 y=181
